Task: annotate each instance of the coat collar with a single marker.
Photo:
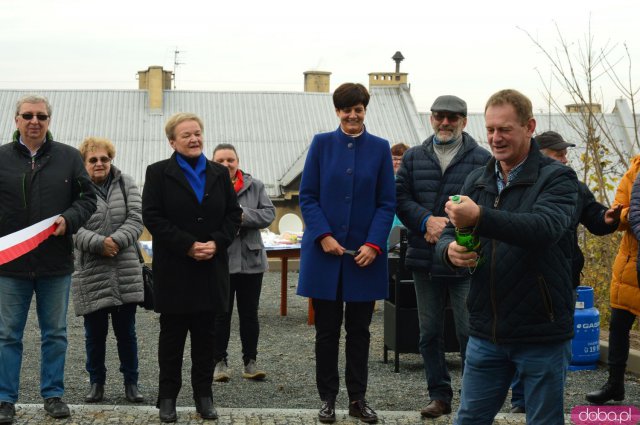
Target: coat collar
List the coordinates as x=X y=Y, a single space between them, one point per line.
x=468 y=144
x=528 y=175
x=346 y=138
x=247 y=182
x=22 y=148
x=212 y=170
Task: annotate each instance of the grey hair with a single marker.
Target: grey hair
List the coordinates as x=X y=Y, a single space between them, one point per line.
x=33 y=98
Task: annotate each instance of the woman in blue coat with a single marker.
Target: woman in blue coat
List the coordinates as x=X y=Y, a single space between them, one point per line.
x=347 y=198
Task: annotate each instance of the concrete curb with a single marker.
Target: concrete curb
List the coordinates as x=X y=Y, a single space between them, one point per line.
x=90 y=414
x=633 y=363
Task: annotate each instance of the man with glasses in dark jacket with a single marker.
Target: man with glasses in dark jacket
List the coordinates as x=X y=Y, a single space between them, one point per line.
x=521 y=207
x=39 y=179
x=429 y=174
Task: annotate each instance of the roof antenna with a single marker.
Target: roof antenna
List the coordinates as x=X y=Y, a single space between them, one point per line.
x=176 y=52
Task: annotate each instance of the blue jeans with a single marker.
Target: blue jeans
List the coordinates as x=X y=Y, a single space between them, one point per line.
x=431 y=301
x=96 y=327
x=52 y=300
x=490 y=369
x=517 y=391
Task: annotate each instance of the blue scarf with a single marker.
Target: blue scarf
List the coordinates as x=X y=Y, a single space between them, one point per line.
x=195 y=175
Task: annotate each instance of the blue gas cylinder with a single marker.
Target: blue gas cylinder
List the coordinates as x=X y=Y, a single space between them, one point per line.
x=585 y=346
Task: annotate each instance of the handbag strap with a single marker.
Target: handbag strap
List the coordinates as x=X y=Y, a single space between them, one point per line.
x=124 y=195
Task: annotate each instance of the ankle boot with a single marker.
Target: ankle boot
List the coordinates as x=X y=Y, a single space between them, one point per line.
x=95 y=394
x=611 y=390
x=167 y=408
x=132 y=393
x=204 y=406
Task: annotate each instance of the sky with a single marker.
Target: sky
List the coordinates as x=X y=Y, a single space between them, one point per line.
x=469 y=48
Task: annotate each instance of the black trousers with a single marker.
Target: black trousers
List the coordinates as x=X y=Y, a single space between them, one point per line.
x=328 y=322
x=173 y=335
x=245 y=289
x=619 y=327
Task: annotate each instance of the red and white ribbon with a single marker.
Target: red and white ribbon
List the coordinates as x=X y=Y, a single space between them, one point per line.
x=19 y=243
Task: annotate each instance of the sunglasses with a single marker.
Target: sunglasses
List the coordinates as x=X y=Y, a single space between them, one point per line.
x=29 y=116
x=103 y=159
x=440 y=116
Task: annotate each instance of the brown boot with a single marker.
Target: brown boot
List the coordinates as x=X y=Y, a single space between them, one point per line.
x=435 y=409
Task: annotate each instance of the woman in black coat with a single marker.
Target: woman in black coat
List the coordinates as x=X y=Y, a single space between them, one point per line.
x=191 y=210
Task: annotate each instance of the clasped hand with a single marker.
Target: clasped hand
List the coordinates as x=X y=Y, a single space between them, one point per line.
x=201 y=251
x=109 y=247
x=435 y=226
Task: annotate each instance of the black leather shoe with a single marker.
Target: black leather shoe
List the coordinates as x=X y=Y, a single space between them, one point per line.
x=167 y=408
x=7 y=412
x=327 y=413
x=204 y=406
x=95 y=394
x=361 y=410
x=609 y=391
x=132 y=394
x=56 y=408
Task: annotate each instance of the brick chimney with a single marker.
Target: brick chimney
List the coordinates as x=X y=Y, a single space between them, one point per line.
x=595 y=108
x=389 y=78
x=155 y=80
x=316 y=81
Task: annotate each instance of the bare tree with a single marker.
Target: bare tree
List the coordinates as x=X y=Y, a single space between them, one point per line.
x=576 y=67
x=576 y=71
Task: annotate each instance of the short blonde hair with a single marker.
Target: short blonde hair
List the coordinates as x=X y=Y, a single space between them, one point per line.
x=91 y=144
x=176 y=119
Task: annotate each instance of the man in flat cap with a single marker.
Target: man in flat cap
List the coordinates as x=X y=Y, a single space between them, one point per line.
x=429 y=174
x=595 y=217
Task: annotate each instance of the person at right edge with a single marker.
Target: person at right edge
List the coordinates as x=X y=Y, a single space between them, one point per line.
x=597 y=218
x=521 y=207
x=624 y=290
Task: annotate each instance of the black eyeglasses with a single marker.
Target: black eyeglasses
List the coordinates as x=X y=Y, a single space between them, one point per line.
x=29 y=116
x=103 y=159
x=440 y=116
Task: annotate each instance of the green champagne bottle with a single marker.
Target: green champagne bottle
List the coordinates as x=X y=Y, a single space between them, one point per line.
x=464 y=235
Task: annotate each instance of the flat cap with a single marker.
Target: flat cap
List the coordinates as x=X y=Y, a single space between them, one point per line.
x=450 y=103
x=552 y=140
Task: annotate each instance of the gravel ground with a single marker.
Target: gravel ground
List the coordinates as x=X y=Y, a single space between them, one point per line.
x=285 y=352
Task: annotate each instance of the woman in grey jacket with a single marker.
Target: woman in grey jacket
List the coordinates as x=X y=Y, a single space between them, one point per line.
x=108 y=280
x=247 y=263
